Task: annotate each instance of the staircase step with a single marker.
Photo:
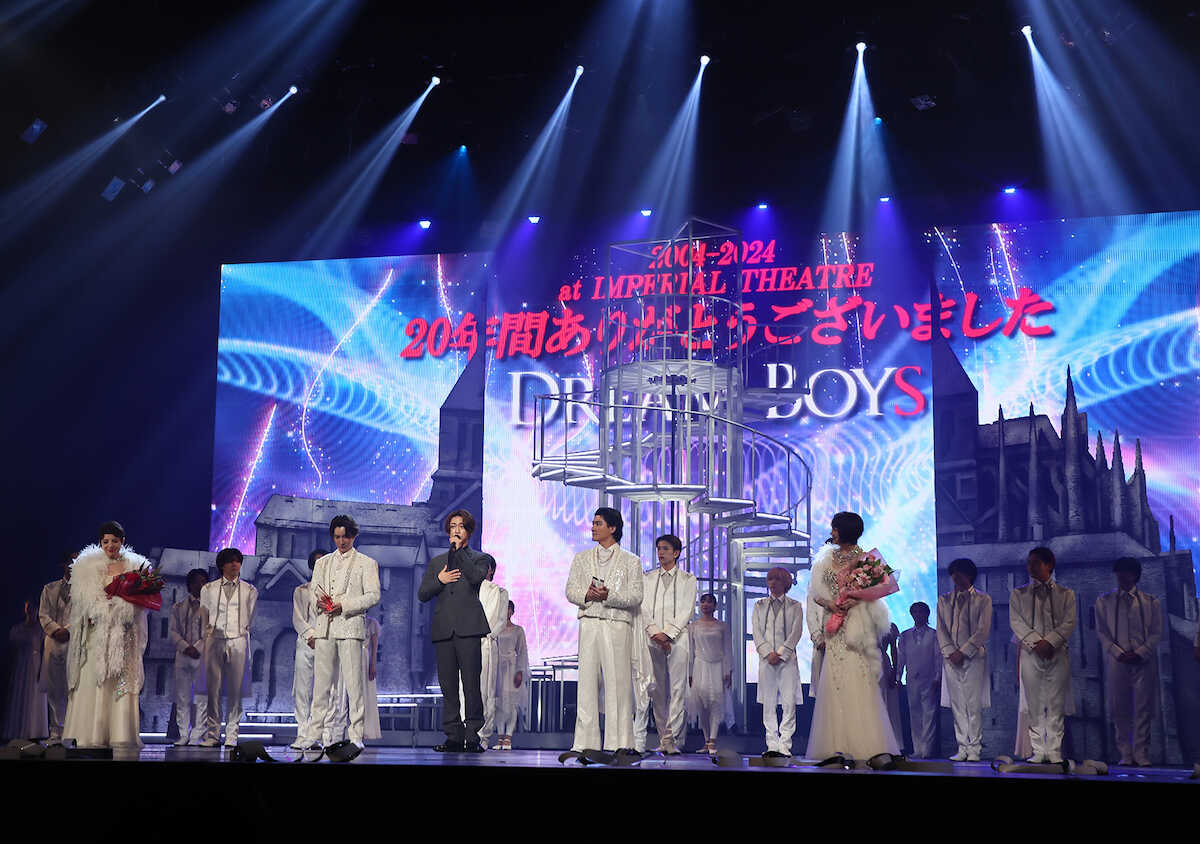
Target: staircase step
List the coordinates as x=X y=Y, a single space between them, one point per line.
x=751 y=519
x=659 y=492
x=712 y=504
x=765 y=563
x=776 y=534
x=777 y=551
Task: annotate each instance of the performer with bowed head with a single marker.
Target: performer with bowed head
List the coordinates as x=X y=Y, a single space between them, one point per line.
x=229 y=603
x=963 y=626
x=668 y=599
x=25 y=717
x=458 y=628
x=778 y=624
x=108 y=638
x=512 y=692
x=710 y=679
x=605 y=583
x=1042 y=616
x=494 y=600
x=187 y=627
x=345 y=585
x=306 y=648
x=847 y=586
x=920 y=659
x=1129 y=626
x=54 y=611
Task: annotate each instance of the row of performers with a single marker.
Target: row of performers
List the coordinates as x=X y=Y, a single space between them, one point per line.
x=81 y=683
x=677 y=666
x=617 y=601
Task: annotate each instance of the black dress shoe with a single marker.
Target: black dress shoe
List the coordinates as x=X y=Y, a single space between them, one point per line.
x=450 y=747
x=773 y=754
x=474 y=747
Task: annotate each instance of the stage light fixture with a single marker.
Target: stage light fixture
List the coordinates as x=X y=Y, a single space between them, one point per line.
x=762 y=206
x=424 y=223
x=1010 y=190
x=579 y=70
x=435 y=81
x=462 y=148
x=34 y=131
x=704 y=60
x=646 y=212
x=885 y=199
x=860 y=46
x=878 y=121
x=534 y=219
x=1027 y=30
x=293 y=90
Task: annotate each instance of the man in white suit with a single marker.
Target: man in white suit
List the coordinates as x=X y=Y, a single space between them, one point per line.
x=229 y=604
x=54 y=612
x=1129 y=626
x=345 y=585
x=668 y=599
x=1042 y=617
x=306 y=648
x=920 y=663
x=187 y=628
x=964 y=622
x=778 y=623
x=494 y=600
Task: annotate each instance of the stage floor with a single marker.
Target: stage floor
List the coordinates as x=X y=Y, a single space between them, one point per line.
x=548 y=759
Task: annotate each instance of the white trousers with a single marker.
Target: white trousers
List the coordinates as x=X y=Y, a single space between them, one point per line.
x=670 y=689
x=1045 y=682
x=334 y=659
x=487 y=688
x=302 y=686
x=186 y=670
x=1131 y=691
x=964 y=686
x=922 y=714
x=604 y=653
x=779 y=685
x=224 y=668
x=56 y=694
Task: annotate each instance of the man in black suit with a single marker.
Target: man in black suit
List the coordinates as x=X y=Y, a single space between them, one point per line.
x=459 y=625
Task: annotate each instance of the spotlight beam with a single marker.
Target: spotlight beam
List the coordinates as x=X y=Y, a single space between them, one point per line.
x=344 y=197
x=669 y=179
x=26 y=203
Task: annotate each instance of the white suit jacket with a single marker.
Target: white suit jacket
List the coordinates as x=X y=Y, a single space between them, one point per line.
x=356 y=589
x=1145 y=617
x=978 y=624
x=1062 y=617
x=677 y=600
x=302 y=611
x=494 y=600
x=793 y=612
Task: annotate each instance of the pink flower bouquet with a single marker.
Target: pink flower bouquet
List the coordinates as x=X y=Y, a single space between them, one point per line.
x=869 y=579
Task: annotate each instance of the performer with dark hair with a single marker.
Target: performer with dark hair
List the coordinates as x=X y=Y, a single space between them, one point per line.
x=605 y=582
x=920 y=659
x=108 y=638
x=306 y=645
x=458 y=627
x=668 y=601
x=963 y=625
x=229 y=604
x=1042 y=616
x=494 y=600
x=710 y=677
x=1129 y=625
x=187 y=627
x=25 y=717
x=54 y=611
x=345 y=585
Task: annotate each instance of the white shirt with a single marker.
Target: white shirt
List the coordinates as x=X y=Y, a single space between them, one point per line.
x=668 y=599
x=230 y=611
x=621 y=572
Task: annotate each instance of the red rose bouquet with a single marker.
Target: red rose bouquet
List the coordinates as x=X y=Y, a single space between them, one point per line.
x=869 y=579
x=141 y=587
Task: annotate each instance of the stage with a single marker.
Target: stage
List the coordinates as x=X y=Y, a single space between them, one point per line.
x=266 y=797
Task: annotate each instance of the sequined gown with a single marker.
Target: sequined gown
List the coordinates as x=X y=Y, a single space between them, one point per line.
x=850 y=715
